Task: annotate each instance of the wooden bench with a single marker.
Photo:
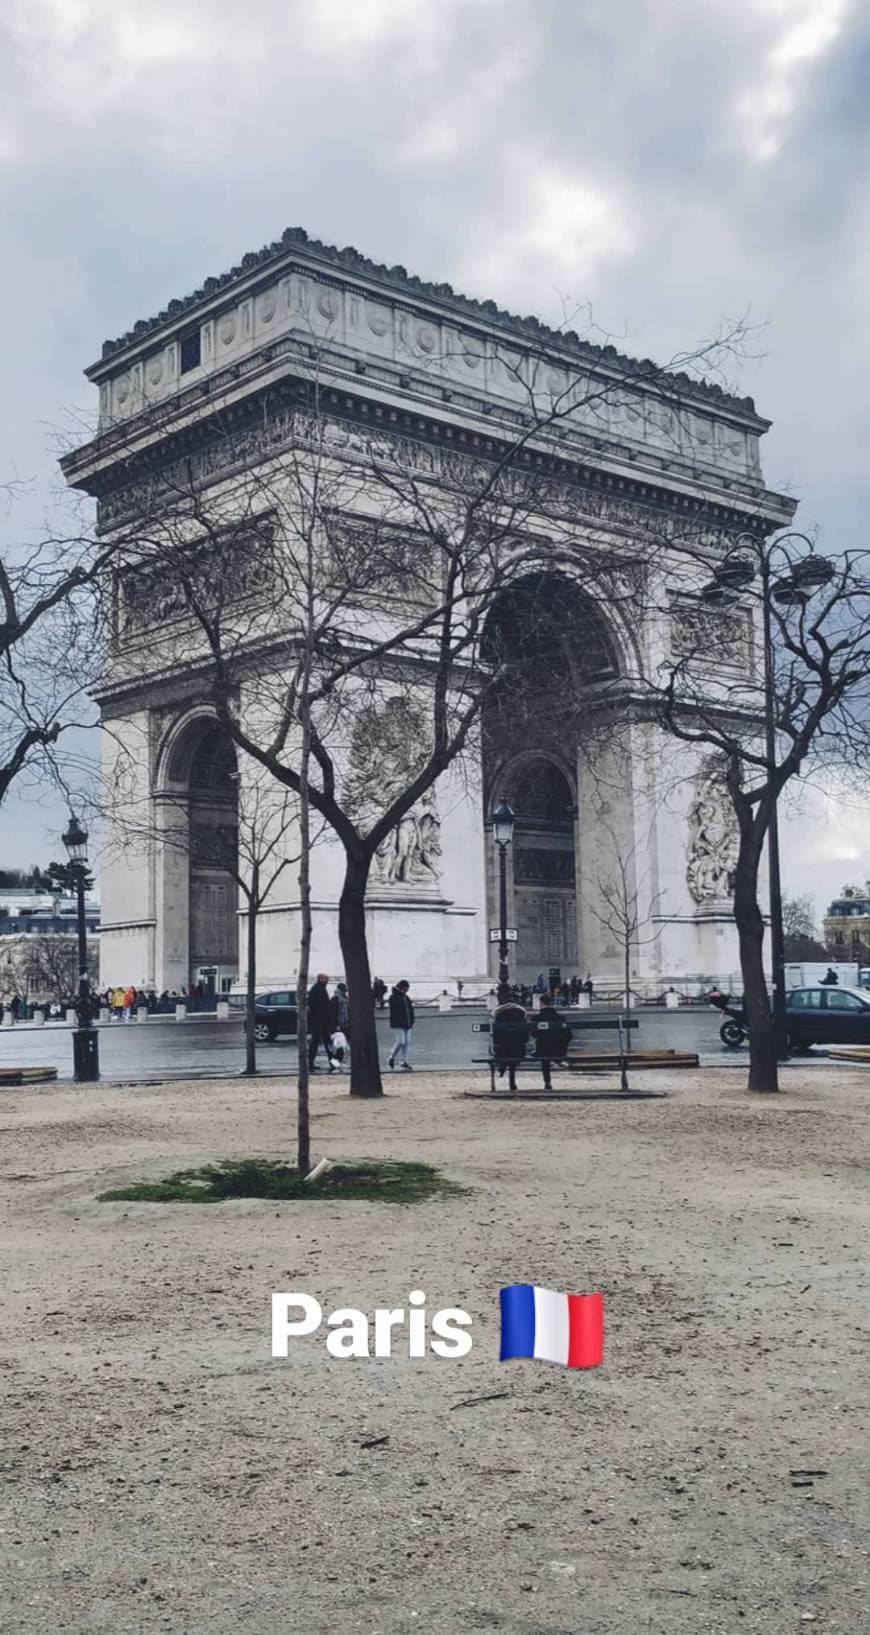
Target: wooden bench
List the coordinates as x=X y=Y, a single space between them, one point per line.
x=574 y=1062
x=27 y=1075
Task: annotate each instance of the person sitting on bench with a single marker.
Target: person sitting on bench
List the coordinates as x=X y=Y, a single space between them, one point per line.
x=510 y=1035
x=552 y=1038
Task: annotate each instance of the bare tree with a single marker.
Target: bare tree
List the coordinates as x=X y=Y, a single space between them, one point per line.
x=813 y=672
x=48 y=643
x=47 y=964
x=618 y=909
x=253 y=850
x=799 y=930
x=798 y=917
x=623 y=902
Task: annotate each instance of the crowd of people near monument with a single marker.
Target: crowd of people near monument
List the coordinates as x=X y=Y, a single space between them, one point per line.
x=122 y=1002
x=560 y=993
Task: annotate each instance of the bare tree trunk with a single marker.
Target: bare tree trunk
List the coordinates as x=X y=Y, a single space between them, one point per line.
x=251 y=990
x=303 y=1120
x=627 y=975
x=365 y=1067
x=763 y=1067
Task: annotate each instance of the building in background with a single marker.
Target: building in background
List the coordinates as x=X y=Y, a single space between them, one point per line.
x=846 y=926
x=39 y=945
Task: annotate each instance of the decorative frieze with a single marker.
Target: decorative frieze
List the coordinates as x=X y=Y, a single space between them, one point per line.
x=562 y=489
x=711 y=635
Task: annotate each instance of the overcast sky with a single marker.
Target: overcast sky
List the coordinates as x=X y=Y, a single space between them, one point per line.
x=674 y=162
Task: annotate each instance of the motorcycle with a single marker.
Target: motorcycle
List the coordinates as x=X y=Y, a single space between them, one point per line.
x=735 y=1029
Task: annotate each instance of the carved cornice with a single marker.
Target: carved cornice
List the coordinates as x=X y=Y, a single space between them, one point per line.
x=259 y=428
x=295 y=245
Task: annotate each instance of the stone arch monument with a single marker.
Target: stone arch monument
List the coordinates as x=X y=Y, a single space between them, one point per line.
x=409 y=372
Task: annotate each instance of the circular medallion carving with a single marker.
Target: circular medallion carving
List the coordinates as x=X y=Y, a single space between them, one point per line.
x=227 y=329
x=472 y=358
x=267 y=307
x=327 y=303
x=122 y=388
x=155 y=371
x=426 y=338
x=378 y=320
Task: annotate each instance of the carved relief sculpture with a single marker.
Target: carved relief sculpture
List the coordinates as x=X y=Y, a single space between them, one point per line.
x=713 y=837
x=387 y=748
x=411 y=851
x=717 y=635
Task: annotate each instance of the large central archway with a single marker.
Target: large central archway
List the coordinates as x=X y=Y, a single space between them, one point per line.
x=554 y=654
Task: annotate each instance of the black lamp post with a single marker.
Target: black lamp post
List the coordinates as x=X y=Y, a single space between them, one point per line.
x=791 y=589
x=502 y=833
x=86 y=1052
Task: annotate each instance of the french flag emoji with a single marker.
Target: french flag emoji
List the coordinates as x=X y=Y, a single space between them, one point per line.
x=559 y=1328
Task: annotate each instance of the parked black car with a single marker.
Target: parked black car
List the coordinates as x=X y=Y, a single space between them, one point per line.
x=275 y=1014
x=827 y=1016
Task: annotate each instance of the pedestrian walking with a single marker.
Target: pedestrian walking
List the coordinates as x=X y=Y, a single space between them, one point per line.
x=15 y=1008
x=129 y=1002
x=319 y=1022
x=552 y=1038
x=339 y=1019
x=401 y=1022
x=379 y=993
x=118 y=1003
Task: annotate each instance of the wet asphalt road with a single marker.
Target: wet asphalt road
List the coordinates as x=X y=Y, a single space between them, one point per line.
x=204 y=1047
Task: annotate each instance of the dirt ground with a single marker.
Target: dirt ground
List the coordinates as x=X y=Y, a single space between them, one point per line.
x=161 y=1472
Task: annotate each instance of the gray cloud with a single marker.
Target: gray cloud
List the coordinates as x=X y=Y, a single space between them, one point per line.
x=670 y=162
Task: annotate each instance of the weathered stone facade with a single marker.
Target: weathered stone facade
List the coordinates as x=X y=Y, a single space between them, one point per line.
x=414 y=377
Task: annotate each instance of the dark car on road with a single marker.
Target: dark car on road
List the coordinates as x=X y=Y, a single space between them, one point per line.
x=275 y=1014
x=827 y=1016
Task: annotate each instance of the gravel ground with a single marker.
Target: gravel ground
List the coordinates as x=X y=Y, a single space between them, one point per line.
x=162 y=1473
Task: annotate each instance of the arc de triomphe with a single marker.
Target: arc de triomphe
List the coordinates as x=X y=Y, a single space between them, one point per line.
x=207 y=385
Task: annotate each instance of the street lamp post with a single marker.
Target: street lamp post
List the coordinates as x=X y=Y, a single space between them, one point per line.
x=502 y=831
x=86 y=1050
x=793 y=588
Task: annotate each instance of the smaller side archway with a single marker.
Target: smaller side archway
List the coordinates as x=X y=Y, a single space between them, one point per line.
x=197 y=803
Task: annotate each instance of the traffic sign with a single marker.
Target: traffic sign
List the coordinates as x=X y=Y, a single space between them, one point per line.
x=509 y=936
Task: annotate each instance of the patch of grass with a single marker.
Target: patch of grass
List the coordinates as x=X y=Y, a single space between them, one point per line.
x=369 y=1182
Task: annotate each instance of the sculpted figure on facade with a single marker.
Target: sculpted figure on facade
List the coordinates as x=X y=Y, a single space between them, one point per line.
x=387 y=747
x=713 y=837
x=411 y=852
